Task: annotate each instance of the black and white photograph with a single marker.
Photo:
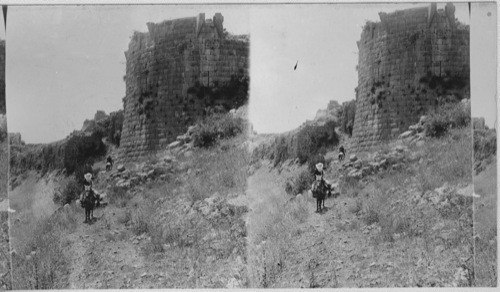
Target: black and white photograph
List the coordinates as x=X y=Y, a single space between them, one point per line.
x=484 y=117
x=5 y=276
x=126 y=146
x=320 y=145
x=362 y=150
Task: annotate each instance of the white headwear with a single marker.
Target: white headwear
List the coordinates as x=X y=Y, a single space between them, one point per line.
x=319 y=166
x=88 y=176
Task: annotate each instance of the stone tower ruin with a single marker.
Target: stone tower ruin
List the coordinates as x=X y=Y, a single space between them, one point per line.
x=407 y=62
x=174 y=72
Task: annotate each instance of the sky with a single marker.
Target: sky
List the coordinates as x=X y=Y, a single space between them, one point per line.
x=66 y=62
x=322 y=38
x=484 y=62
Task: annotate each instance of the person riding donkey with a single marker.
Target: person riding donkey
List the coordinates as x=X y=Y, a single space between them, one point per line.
x=320 y=187
x=341 y=152
x=109 y=163
x=88 y=198
x=319 y=174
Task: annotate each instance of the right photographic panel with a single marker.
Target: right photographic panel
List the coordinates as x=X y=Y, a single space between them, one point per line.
x=484 y=116
x=363 y=149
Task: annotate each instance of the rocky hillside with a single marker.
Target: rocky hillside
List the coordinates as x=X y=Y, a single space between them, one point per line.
x=166 y=221
x=485 y=204
x=403 y=217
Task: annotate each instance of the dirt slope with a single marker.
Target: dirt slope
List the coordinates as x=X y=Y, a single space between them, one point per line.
x=99 y=260
x=335 y=248
x=485 y=226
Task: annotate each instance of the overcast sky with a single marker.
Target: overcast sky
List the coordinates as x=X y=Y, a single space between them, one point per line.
x=484 y=62
x=322 y=38
x=65 y=63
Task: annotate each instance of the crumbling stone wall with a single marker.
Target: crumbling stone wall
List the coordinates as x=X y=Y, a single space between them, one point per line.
x=174 y=72
x=408 y=62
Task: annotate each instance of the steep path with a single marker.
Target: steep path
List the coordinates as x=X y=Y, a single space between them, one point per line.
x=100 y=256
x=335 y=248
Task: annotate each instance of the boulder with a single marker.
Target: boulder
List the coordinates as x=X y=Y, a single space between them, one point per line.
x=353 y=157
x=174 y=144
x=168 y=159
x=120 y=167
x=355 y=174
x=400 y=148
x=184 y=138
x=123 y=183
x=416 y=128
x=405 y=135
x=191 y=130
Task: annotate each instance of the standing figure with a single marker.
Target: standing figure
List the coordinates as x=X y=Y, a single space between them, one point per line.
x=109 y=163
x=341 y=153
x=320 y=187
x=88 y=198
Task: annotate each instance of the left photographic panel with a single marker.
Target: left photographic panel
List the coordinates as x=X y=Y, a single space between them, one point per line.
x=5 y=264
x=128 y=166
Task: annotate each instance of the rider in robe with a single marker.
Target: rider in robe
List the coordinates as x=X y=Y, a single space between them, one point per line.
x=341 y=151
x=109 y=161
x=88 y=189
x=319 y=174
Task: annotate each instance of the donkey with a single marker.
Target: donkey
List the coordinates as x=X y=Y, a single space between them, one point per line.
x=320 y=191
x=89 y=201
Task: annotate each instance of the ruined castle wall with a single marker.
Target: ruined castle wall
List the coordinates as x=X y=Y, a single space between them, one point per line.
x=406 y=62
x=168 y=71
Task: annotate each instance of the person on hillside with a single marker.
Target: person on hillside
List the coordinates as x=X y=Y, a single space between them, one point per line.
x=341 y=152
x=319 y=175
x=89 y=196
x=109 y=163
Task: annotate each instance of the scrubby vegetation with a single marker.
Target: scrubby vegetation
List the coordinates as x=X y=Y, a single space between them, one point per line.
x=216 y=127
x=312 y=140
x=74 y=152
x=346 y=116
x=81 y=150
x=304 y=145
x=446 y=117
x=413 y=209
x=299 y=184
x=70 y=192
x=40 y=262
x=485 y=143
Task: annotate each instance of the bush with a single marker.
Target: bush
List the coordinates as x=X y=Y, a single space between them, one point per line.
x=485 y=144
x=41 y=261
x=346 y=116
x=280 y=152
x=447 y=116
x=312 y=140
x=81 y=150
x=299 y=184
x=216 y=127
x=70 y=193
x=118 y=196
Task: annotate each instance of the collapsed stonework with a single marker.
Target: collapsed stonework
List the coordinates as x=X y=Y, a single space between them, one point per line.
x=408 y=62
x=175 y=72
